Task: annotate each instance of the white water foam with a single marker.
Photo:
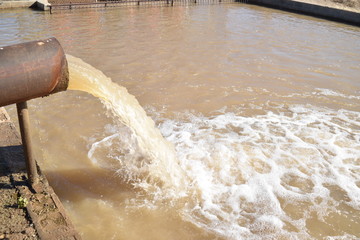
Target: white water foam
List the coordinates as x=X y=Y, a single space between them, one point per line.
x=265 y=176
x=328 y=92
x=317 y=92
x=246 y=170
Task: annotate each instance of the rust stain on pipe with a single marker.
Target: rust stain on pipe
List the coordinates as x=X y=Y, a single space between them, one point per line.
x=31 y=70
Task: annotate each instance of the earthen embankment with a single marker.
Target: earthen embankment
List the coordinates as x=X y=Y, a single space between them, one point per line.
x=333 y=10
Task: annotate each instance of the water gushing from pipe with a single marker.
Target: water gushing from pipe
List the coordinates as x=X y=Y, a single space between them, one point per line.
x=159 y=165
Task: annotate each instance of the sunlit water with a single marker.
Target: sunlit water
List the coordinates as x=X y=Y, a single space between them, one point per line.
x=260 y=111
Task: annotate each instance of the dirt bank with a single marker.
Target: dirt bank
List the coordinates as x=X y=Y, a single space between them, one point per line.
x=14 y=220
x=348 y=5
x=345 y=11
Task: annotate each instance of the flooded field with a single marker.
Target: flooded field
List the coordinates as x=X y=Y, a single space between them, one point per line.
x=252 y=128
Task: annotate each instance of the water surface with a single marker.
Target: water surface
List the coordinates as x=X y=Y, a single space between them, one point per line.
x=261 y=106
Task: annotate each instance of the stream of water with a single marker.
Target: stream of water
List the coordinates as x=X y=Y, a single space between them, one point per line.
x=149 y=156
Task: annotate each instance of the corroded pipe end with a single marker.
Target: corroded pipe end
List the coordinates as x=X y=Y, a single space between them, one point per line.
x=63 y=79
x=32 y=69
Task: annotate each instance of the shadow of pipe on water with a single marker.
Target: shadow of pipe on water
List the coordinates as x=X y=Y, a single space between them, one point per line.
x=97 y=183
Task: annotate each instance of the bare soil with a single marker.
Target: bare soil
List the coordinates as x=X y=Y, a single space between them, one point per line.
x=15 y=223
x=349 y=5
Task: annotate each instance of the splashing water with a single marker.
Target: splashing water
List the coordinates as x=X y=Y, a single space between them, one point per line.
x=156 y=161
x=287 y=175
x=272 y=176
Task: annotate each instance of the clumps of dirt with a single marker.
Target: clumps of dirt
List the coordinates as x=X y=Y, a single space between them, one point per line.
x=348 y=3
x=14 y=222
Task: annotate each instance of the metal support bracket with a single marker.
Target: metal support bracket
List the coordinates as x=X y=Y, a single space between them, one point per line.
x=24 y=122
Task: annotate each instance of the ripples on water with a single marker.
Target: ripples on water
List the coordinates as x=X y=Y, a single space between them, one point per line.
x=262 y=107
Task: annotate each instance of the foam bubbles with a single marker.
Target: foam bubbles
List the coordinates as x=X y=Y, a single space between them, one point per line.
x=328 y=92
x=278 y=175
x=266 y=176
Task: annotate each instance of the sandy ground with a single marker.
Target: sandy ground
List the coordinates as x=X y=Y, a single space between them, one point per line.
x=14 y=221
x=349 y=5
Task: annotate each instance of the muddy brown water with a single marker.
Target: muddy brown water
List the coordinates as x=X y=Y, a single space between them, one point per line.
x=261 y=106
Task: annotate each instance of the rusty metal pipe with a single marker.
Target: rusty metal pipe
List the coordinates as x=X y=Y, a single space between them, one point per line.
x=31 y=70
